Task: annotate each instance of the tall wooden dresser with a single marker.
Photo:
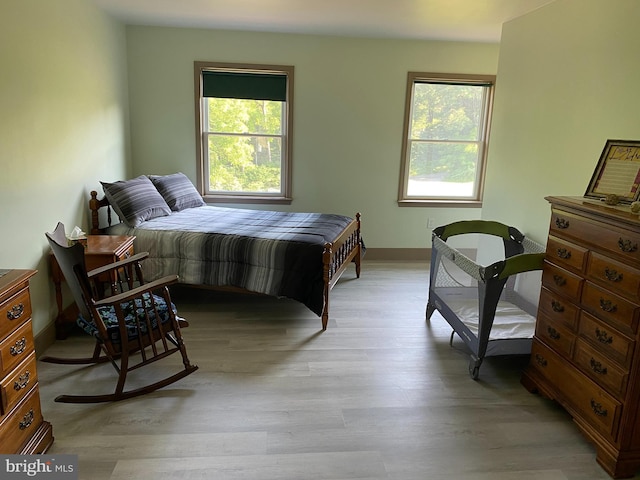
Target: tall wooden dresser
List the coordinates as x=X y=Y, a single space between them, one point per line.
x=22 y=428
x=585 y=351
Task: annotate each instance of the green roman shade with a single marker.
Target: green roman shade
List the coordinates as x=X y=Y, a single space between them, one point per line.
x=248 y=86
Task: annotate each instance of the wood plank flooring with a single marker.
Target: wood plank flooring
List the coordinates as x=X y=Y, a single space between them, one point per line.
x=379 y=395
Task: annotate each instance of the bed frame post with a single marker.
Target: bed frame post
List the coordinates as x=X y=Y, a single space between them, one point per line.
x=326 y=278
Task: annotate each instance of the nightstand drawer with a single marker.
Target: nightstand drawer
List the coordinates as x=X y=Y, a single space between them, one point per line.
x=14 y=311
x=15 y=348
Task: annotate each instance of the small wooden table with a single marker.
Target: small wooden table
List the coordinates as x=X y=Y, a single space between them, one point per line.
x=100 y=250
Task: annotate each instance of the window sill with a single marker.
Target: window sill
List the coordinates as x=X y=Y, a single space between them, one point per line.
x=449 y=203
x=247 y=199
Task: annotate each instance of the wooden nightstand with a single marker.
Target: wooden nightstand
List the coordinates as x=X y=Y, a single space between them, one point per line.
x=100 y=250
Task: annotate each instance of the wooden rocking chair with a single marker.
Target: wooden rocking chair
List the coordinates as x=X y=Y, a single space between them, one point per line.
x=134 y=326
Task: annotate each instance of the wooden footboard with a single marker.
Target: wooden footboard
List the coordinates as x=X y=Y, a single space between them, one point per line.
x=336 y=257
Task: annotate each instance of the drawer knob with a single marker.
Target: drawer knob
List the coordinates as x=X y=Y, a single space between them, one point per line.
x=15 y=312
x=540 y=360
x=597 y=408
x=27 y=420
x=608 y=306
x=18 y=347
x=612 y=275
x=553 y=333
x=562 y=223
x=603 y=337
x=556 y=306
x=564 y=253
x=22 y=381
x=597 y=367
x=559 y=280
x=627 y=246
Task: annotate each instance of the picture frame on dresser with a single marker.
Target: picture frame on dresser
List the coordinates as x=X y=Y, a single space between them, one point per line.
x=617 y=172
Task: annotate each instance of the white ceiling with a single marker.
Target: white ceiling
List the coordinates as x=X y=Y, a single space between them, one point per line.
x=462 y=20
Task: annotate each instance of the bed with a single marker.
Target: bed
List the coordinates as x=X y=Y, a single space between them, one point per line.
x=485 y=305
x=293 y=255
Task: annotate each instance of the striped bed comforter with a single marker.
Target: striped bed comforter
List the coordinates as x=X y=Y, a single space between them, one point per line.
x=274 y=253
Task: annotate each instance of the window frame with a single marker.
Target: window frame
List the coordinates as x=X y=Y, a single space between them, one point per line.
x=202 y=172
x=483 y=142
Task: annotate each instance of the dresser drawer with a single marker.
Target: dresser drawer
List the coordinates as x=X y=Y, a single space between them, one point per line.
x=15 y=348
x=556 y=336
x=624 y=244
x=13 y=311
x=577 y=392
x=604 y=371
x=566 y=253
x=606 y=339
x=17 y=384
x=617 y=276
x=610 y=307
x=22 y=422
x=561 y=281
x=558 y=309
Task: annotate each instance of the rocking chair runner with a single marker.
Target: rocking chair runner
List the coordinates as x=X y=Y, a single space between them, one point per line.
x=136 y=320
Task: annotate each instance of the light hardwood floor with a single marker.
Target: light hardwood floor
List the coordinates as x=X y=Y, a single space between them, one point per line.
x=379 y=395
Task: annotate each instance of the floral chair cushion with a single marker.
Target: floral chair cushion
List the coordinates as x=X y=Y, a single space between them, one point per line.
x=108 y=315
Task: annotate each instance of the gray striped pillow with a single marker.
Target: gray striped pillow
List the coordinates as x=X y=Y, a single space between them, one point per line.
x=136 y=200
x=178 y=191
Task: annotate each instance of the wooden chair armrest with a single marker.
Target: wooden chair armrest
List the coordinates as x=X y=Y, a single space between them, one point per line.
x=138 y=291
x=119 y=264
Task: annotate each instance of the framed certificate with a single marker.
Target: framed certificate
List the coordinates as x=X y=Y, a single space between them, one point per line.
x=617 y=172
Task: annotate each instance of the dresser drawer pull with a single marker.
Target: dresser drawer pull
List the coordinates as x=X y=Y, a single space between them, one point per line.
x=15 y=312
x=540 y=360
x=608 y=305
x=559 y=280
x=603 y=337
x=597 y=367
x=627 y=246
x=22 y=381
x=562 y=223
x=612 y=275
x=553 y=333
x=564 y=253
x=27 y=420
x=597 y=408
x=19 y=347
x=556 y=306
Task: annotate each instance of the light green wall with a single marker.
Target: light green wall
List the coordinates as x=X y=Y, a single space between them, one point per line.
x=567 y=82
x=348 y=115
x=63 y=126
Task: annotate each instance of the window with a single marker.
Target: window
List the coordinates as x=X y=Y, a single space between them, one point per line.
x=244 y=118
x=445 y=140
